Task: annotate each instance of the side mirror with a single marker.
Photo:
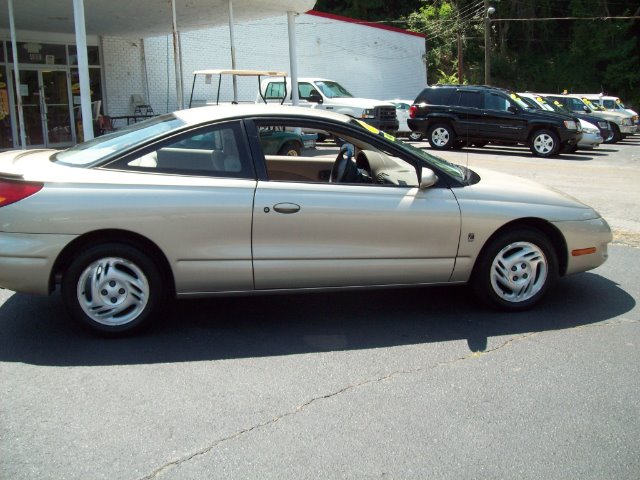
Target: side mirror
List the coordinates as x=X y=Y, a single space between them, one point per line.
x=513 y=109
x=587 y=109
x=428 y=178
x=314 y=97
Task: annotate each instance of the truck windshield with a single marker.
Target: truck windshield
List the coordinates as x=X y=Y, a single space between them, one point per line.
x=333 y=90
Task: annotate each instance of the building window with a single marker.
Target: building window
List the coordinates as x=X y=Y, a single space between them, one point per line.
x=40 y=53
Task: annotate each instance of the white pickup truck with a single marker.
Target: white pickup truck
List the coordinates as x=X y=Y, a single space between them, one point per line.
x=330 y=95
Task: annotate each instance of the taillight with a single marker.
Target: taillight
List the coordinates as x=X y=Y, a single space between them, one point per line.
x=412 y=111
x=13 y=191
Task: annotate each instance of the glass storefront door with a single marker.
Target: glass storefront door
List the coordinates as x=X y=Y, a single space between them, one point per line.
x=45 y=106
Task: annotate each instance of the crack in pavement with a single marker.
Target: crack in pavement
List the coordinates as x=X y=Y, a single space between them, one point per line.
x=175 y=463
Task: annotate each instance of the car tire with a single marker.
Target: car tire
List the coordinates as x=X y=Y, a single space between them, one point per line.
x=290 y=149
x=616 y=136
x=415 y=136
x=126 y=291
x=544 y=143
x=570 y=148
x=515 y=270
x=441 y=136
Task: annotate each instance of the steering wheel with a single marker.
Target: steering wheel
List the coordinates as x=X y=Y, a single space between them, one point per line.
x=344 y=169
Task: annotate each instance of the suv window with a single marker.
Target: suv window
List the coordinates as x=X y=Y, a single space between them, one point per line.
x=470 y=99
x=437 y=96
x=494 y=101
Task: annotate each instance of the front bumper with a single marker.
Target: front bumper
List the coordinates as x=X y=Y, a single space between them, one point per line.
x=389 y=126
x=590 y=140
x=26 y=261
x=628 y=129
x=585 y=234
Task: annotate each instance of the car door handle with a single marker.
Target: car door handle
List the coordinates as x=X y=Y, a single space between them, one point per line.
x=286 y=207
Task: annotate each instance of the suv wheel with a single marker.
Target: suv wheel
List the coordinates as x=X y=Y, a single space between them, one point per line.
x=616 y=136
x=441 y=136
x=416 y=136
x=544 y=143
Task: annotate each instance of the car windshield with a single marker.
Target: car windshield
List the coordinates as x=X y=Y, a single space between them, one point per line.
x=521 y=103
x=92 y=151
x=531 y=103
x=456 y=171
x=333 y=89
x=555 y=105
x=592 y=106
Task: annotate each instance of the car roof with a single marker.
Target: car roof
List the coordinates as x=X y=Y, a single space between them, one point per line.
x=194 y=116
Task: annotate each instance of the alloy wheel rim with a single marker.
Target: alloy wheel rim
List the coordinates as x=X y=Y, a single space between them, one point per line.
x=519 y=271
x=440 y=136
x=543 y=143
x=113 y=291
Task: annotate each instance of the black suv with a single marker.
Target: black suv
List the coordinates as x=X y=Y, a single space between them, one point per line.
x=462 y=115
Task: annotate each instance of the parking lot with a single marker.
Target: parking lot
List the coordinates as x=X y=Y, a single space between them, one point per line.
x=408 y=383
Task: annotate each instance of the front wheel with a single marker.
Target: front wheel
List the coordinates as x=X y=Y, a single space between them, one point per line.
x=544 y=143
x=415 y=136
x=615 y=136
x=441 y=136
x=515 y=270
x=112 y=288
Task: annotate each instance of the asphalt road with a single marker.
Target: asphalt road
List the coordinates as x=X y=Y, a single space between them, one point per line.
x=411 y=383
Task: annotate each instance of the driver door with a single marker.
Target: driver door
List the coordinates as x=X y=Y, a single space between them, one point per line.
x=314 y=234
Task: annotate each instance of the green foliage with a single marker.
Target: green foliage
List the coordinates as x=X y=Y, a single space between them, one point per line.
x=600 y=54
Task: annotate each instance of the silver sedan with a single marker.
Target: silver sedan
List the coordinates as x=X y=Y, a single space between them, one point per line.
x=192 y=204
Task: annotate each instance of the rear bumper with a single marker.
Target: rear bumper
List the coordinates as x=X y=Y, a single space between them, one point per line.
x=26 y=261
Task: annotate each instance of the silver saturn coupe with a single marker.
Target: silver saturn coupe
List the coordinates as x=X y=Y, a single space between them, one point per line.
x=194 y=203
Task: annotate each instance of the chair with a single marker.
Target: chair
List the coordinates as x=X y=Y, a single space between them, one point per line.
x=140 y=105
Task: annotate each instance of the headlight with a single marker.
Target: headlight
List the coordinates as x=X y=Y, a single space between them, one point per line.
x=591 y=131
x=627 y=122
x=570 y=124
x=368 y=113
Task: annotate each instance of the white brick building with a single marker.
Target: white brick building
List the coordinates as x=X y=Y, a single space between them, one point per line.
x=373 y=61
x=370 y=61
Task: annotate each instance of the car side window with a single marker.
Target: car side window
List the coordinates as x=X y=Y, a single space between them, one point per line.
x=214 y=151
x=494 y=101
x=274 y=90
x=470 y=99
x=308 y=153
x=305 y=90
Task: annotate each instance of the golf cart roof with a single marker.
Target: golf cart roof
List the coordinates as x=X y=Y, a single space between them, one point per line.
x=242 y=73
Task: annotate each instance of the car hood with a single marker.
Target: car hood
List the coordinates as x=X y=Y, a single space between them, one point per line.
x=360 y=102
x=551 y=115
x=613 y=116
x=523 y=197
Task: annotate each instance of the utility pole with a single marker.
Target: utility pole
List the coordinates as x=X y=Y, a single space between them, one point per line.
x=459 y=58
x=487 y=26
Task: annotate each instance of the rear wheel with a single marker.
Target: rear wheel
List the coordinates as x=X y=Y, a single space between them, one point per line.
x=112 y=288
x=515 y=270
x=415 y=136
x=290 y=149
x=441 y=136
x=544 y=143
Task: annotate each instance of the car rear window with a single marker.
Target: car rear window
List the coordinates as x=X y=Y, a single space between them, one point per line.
x=437 y=96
